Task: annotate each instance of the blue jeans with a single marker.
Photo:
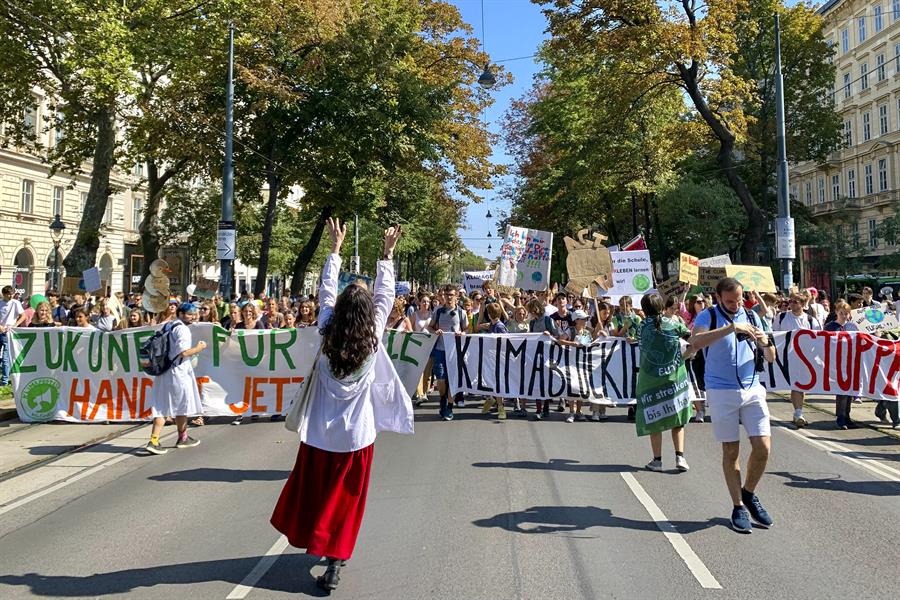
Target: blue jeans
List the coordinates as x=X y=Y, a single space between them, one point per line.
x=5 y=361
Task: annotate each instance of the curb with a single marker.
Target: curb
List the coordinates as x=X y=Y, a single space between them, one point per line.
x=893 y=433
x=8 y=414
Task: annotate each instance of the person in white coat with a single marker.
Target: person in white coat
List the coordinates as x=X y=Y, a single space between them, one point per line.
x=357 y=394
x=174 y=392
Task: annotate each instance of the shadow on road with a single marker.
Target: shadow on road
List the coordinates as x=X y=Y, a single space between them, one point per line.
x=566 y=519
x=837 y=484
x=223 y=475
x=558 y=464
x=285 y=576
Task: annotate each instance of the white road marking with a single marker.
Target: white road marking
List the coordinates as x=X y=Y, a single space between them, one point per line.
x=265 y=563
x=872 y=465
x=684 y=550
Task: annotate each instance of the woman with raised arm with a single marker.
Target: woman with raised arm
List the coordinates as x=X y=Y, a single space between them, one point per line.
x=357 y=394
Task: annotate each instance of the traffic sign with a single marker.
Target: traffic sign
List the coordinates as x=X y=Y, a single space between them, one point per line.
x=784 y=238
x=226 y=241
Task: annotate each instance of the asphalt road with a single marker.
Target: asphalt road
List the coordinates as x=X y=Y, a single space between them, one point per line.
x=471 y=509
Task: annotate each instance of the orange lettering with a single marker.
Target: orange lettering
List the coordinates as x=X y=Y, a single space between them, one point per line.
x=126 y=396
x=241 y=407
x=104 y=398
x=256 y=393
x=146 y=384
x=83 y=399
x=279 y=383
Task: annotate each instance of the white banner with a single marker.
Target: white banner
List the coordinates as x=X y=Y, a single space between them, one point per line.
x=534 y=367
x=632 y=275
x=76 y=374
x=473 y=280
x=525 y=259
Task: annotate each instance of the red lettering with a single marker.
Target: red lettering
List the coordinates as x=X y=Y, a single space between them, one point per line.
x=104 y=398
x=883 y=349
x=844 y=359
x=279 y=383
x=799 y=352
x=864 y=343
x=890 y=388
x=83 y=399
x=126 y=396
x=826 y=336
x=146 y=384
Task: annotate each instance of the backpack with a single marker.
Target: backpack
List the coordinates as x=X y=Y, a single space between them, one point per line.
x=154 y=354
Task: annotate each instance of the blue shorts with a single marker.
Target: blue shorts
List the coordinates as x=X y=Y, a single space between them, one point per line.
x=439 y=364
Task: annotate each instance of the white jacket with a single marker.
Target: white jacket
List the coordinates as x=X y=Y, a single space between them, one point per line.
x=346 y=414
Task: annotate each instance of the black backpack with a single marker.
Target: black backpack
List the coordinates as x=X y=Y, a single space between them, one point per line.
x=155 y=351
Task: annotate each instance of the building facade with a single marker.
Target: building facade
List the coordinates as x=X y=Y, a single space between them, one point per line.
x=858 y=186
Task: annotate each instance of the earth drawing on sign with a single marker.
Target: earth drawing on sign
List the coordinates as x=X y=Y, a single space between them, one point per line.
x=641 y=283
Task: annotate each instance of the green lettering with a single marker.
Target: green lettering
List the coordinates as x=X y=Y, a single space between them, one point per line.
x=29 y=338
x=283 y=348
x=242 y=342
x=118 y=344
x=95 y=366
x=409 y=338
x=390 y=344
x=53 y=363
x=69 y=359
x=219 y=336
x=139 y=338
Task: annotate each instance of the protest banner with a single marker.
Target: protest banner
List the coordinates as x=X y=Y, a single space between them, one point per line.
x=722 y=260
x=525 y=259
x=689 y=269
x=345 y=279
x=588 y=263
x=632 y=274
x=206 y=288
x=473 y=280
x=85 y=375
x=402 y=288
x=535 y=367
x=75 y=285
x=873 y=320
x=753 y=277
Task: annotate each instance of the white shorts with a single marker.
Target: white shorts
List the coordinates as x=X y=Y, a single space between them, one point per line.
x=728 y=409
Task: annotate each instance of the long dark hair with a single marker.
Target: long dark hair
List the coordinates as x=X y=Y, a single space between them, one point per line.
x=653 y=305
x=349 y=338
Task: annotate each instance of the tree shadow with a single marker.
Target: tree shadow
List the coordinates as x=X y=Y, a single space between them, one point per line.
x=558 y=464
x=223 y=475
x=569 y=519
x=285 y=576
x=836 y=483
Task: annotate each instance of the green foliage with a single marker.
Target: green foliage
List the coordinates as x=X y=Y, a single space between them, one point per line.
x=189 y=217
x=701 y=218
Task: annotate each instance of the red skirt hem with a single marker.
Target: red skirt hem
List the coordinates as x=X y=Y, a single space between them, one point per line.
x=322 y=504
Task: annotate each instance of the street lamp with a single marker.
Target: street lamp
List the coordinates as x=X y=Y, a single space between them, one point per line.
x=56 y=232
x=487 y=79
x=488 y=215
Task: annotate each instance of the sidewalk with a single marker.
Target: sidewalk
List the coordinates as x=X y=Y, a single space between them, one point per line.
x=861 y=414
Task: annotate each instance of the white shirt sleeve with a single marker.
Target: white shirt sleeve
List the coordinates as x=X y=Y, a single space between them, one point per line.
x=384 y=294
x=328 y=289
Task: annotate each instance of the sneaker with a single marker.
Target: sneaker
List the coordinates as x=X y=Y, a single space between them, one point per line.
x=681 y=463
x=538 y=416
x=696 y=419
x=602 y=415
x=631 y=413
x=800 y=422
x=655 y=465
x=155 y=448
x=501 y=414
x=756 y=510
x=740 y=520
x=460 y=403
x=560 y=407
x=187 y=442
x=488 y=405
x=580 y=417
x=238 y=420
x=595 y=417
x=448 y=414
x=419 y=401
x=570 y=418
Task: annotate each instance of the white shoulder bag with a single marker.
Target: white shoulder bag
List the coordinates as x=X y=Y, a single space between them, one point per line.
x=299 y=409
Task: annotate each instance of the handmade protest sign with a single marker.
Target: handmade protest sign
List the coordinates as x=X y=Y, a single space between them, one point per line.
x=85 y=375
x=710 y=276
x=588 y=262
x=873 y=320
x=402 y=288
x=632 y=274
x=345 y=279
x=91 y=279
x=722 y=260
x=671 y=287
x=753 y=277
x=473 y=280
x=689 y=270
x=206 y=288
x=525 y=259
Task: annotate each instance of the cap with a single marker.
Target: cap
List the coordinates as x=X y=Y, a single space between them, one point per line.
x=173 y=300
x=579 y=315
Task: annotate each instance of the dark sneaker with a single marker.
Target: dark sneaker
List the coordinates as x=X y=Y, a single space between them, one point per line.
x=740 y=520
x=155 y=448
x=756 y=510
x=448 y=414
x=187 y=442
x=630 y=413
x=538 y=416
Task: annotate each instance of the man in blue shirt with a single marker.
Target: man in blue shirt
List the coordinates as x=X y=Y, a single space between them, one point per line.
x=732 y=338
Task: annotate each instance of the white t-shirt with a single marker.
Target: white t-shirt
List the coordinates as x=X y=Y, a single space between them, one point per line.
x=820 y=312
x=788 y=321
x=550 y=310
x=10 y=311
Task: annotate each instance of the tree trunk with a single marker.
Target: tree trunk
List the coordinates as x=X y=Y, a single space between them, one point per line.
x=660 y=240
x=634 y=214
x=308 y=250
x=149 y=227
x=83 y=254
x=262 y=270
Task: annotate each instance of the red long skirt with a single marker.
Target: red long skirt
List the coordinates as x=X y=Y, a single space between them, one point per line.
x=322 y=504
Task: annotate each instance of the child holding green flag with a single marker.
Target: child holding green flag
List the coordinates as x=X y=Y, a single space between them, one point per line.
x=664 y=392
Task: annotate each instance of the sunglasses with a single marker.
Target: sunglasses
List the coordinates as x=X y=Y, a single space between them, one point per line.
x=204 y=309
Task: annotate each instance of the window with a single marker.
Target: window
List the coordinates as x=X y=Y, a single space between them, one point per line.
x=809 y=193
x=873 y=234
x=854 y=234
x=821 y=190
x=845 y=41
x=136 y=209
x=139 y=170
x=848 y=129
x=58 y=133
x=794 y=195
x=851 y=183
x=29 y=119
x=879 y=24
x=864 y=76
x=27 y=196
x=835 y=187
x=109 y=209
x=867 y=127
x=883 y=119
x=895 y=8
x=84 y=196
x=58 y=195
x=861 y=29
x=879 y=67
x=870 y=188
x=846 y=85
x=882 y=175
x=896 y=58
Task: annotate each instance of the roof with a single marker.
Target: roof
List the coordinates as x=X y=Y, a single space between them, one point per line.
x=828 y=6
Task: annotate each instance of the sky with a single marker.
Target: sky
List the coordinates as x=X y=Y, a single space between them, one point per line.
x=512 y=29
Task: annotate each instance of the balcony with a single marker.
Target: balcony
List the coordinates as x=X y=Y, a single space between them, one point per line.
x=888 y=198
x=833 y=206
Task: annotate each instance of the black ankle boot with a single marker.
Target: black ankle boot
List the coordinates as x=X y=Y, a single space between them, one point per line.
x=332 y=576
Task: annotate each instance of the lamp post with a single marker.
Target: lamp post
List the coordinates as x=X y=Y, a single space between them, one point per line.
x=56 y=232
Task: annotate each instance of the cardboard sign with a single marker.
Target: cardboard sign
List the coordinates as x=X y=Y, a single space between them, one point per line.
x=722 y=260
x=91 y=279
x=671 y=287
x=689 y=271
x=873 y=320
x=588 y=262
x=710 y=276
x=345 y=279
x=753 y=277
x=401 y=288
x=206 y=288
x=473 y=280
x=525 y=259
x=75 y=285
